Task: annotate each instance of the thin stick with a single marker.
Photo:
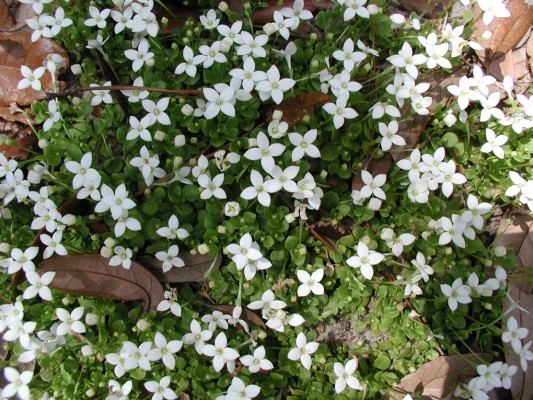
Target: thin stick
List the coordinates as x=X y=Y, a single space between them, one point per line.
x=124 y=87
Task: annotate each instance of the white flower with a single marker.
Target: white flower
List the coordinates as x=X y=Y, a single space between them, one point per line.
x=340 y=111
x=475 y=211
x=250 y=45
x=22 y=260
x=514 y=334
x=365 y=260
x=463 y=92
x=137 y=355
x=420 y=264
x=116 y=201
x=406 y=59
x=373 y=185
x=265 y=151
x=173 y=230
x=98 y=17
x=411 y=286
x=70 y=321
x=273 y=86
x=345 y=376
x=248 y=75
x=303 y=351
x=348 y=56
x=244 y=252
x=83 y=171
x=506 y=372
x=148 y=166
x=494 y=144
x=18 y=383
x=342 y=86
x=493 y=8
x=53 y=244
x=379 y=109
x=212 y=54
x=160 y=389
x=289 y=51
x=232 y=209
x=239 y=391
x=396 y=243
x=259 y=189
x=170 y=258
x=230 y=34
x=220 y=352
x=170 y=303
x=101 y=95
x=118 y=392
x=165 y=350
x=457 y=293
x=281 y=24
x=257 y=361
x=525 y=355
x=421 y=104
x=277 y=129
x=191 y=61
x=436 y=56
x=389 y=135
x=212 y=187
x=283 y=178
x=310 y=283
x=122 y=257
x=412 y=165
x=209 y=21
x=31 y=78
x=156 y=112
x=197 y=336
x=452 y=230
x=304 y=145
x=217 y=102
x=489 y=375
x=296 y=13
x=139 y=56
x=490 y=107
x=449 y=177
x=38 y=285
x=54 y=115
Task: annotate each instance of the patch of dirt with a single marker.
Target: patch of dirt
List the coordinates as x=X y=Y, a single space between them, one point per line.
x=343 y=332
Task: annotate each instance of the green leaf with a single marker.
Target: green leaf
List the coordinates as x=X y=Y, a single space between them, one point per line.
x=383 y=362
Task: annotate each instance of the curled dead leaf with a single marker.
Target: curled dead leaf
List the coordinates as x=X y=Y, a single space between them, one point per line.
x=328 y=232
x=24 y=139
x=438 y=378
x=91 y=275
x=431 y=9
x=296 y=108
x=196 y=265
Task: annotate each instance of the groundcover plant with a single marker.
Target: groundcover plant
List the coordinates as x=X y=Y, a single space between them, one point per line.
x=234 y=209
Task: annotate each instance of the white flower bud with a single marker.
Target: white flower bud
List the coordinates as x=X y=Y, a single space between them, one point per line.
x=486 y=35
x=164 y=21
x=372 y=9
x=5 y=247
x=142 y=325
x=69 y=219
x=277 y=115
x=76 y=69
x=232 y=209
x=302 y=251
x=203 y=249
x=252 y=142
x=159 y=136
x=450 y=120
x=221 y=229
x=177 y=162
x=90 y=393
x=223 y=6
x=179 y=140
x=500 y=251
x=91 y=318
x=106 y=252
x=150 y=62
x=43 y=143
x=290 y=218
x=110 y=242
x=225 y=46
x=87 y=350
x=387 y=234
x=187 y=110
x=374 y=204
x=269 y=28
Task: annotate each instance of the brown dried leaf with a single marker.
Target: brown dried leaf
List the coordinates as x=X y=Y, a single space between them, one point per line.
x=25 y=139
x=91 y=275
x=431 y=8
x=296 y=108
x=6 y=18
x=438 y=378
x=375 y=166
x=247 y=315
x=196 y=265
x=513 y=231
x=10 y=115
x=328 y=232
x=506 y=32
x=529 y=51
x=23 y=13
x=264 y=15
x=16 y=49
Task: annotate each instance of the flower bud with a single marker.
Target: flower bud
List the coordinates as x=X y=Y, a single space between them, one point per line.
x=374 y=204
x=76 y=101
x=43 y=143
x=91 y=319
x=302 y=251
x=225 y=46
x=106 y=252
x=179 y=140
x=486 y=35
x=76 y=69
x=269 y=28
x=87 y=350
x=150 y=62
x=500 y=251
x=174 y=46
x=164 y=22
x=315 y=64
x=194 y=140
x=277 y=115
x=313 y=37
x=387 y=234
x=221 y=229
x=69 y=219
x=159 y=136
x=110 y=242
x=187 y=110
x=223 y=6
x=90 y=393
x=232 y=209
x=290 y=218
x=450 y=120
x=372 y=9
x=142 y=325
x=247 y=7
x=5 y=247
x=203 y=249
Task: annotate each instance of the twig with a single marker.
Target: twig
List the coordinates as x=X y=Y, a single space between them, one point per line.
x=172 y=92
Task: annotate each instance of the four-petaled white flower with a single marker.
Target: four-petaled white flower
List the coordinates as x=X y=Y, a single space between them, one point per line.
x=122 y=257
x=420 y=264
x=257 y=361
x=53 y=244
x=197 y=336
x=248 y=75
x=209 y=21
x=310 y=283
x=170 y=258
x=304 y=145
x=139 y=56
x=160 y=389
x=217 y=102
x=457 y=293
x=70 y=321
x=211 y=187
x=173 y=230
x=156 y=112
x=39 y=285
x=220 y=352
x=116 y=201
x=118 y=392
x=348 y=56
x=259 y=189
x=405 y=59
x=389 y=135
x=191 y=61
x=265 y=151
x=373 y=185
x=296 y=13
x=164 y=350
x=238 y=390
x=18 y=383
x=365 y=260
x=148 y=165
x=340 y=111
x=31 y=78
x=514 y=334
x=303 y=351
x=345 y=376
x=494 y=144
x=83 y=171
x=273 y=86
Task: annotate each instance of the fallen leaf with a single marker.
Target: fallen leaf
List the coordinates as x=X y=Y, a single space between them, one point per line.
x=328 y=232
x=8 y=126
x=25 y=139
x=16 y=49
x=23 y=13
x=513 y=63
x=247 y=315
x=184 y=396
x=506 y=32
x=438 y=378
x=515 y=232
x=296 y=108
x=196 y=265
x=432 y=8
x=6 y=18
x=10 y=115
x=529 y=51
x=264 y=15
x=91 y=275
